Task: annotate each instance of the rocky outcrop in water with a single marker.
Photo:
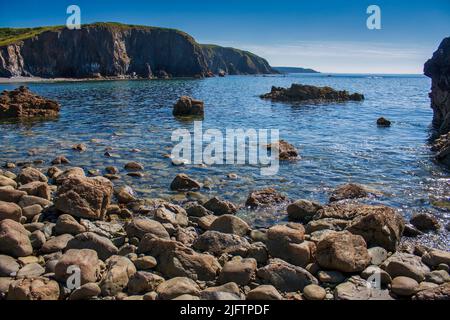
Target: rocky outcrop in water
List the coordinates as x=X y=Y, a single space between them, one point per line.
x=124 y=51
x=438 y=69
x=22 y=103
x=310 y=94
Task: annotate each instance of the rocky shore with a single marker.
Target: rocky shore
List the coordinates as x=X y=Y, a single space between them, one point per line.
x=56 y=218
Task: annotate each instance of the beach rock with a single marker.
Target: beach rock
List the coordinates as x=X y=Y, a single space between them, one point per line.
x=118 y=272
x=326 y=224
x=177 y=260
x=435 y=257
x=302 y=210
x=264 y=197
x=284 y=276
x=32 y=270
x=239 y=271
x=343 y=251
x=86 y=292
x=84 y=197
x=30 y=174
x=14 y=239
x=384 y=277
x=383 y=122
x=183 y=182
x=349 y=191
x=425 y=222
x=176 y=287
x=310 y=94
x=407 y=265
x=34 y=289
x=5 y=182
x=194 y=209
x=377 y=255
x=145 y=263
x=404 y=286
x=28 y=201
x=22 y=103
x=124 y=195
x=37 y=239
x=330 y=277
x=70 y=173
x=441 y=292
x=227 y=291
x=264 y=292
x=187 y=106
x=8 y=266
x=283 y=150
x=142 y=282
x=205 y=222
x=230 y=224
x=89 y=240
x=11 y=195
x=314 y=292
x=357 y=288
x=38 y=189
x=217 y=243
x=85 y=259
x=67 y=224
x=81 y=147
x=177 y=218
x=31 y=211
x=57 y=243
x=139 y=227
x=9 y=210
x=133 y=166
x=220 y=207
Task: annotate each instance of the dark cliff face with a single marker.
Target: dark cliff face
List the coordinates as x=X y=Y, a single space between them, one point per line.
x=234 y=61
x=438 y=69
x=115 y=50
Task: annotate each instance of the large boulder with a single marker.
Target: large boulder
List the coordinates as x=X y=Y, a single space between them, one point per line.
x=176 y=287
x=407 y=265
x=11 y=195
x=220 y=207
x=349 y=191
x=8 y=266
x=38 y=189
x=187 y=106
x=302 y=210
x=230 y=224
x=139 y=227
x=14 y=239
x=9 y=210
x=142 y=282
x=343 y=251
x=86 y=260
x=84 y=197
x=441 y=292
x=182 y=182
x=22 y=103
x=435 y=257
x=30 y=174
x=57 y=243
x=357 y=288
x=119 y=270
x=89 y=240
x=177 y=260
x=239 y=271
x=33 y=289
x=218 y=243
x=67 y=224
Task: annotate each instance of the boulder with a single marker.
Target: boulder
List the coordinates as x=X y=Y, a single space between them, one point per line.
x=182 y=182
x=407 y=265
x=85 y=259
x=7 y=182
x=139 y=227
x=187 y=106
x=30 y=174
x=357 y=288
x=133 y=166
x=145 y=263
x=425 y=222
x=118 y=272
x=28 y=201
x=239 y=271
x=32 y=211
x=89 y=240
x=220 y=207
x=349 y=191
x=230 y=224
x=264 y=197
x=8 y=266
x=178 y=218
x=227 y=291
x=441 y=292
x=264 y=292
x=67 y=224
x=218 y=243
x=176 y=287
x=31 y=270
x=435 y=257
x=84 y=197
x=343 y=251
x=10 y=210
x=33 y=289
x=14 y=239
x=142 y=282
x=11 y=195
x=404 y=286
x=314 y=292
x=38 y=189
x=283 y=150
x=383 y=122
x=302 y=210
x=85 y=292
x=57 y=243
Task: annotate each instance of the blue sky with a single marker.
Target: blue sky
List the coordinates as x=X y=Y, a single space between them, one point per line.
x=327 y=35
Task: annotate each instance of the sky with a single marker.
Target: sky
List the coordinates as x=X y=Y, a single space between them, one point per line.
x=326 y=35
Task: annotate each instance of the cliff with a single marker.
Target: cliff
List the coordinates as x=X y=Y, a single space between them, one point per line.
x=112 y=50
x=233 y=61
x=438 y=69
x=294 y=70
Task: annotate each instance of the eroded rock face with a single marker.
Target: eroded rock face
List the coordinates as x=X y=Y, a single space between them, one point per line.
x=84 y=197
x=22 y=103
x=310 y=94
x=187 y=106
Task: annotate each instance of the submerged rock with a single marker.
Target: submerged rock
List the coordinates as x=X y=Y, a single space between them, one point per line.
x=264 y=197
x=187 y=106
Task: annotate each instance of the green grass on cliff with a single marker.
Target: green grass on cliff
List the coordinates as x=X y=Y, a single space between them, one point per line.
x=13 y=35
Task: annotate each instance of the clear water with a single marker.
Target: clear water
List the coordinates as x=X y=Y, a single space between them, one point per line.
x=339 y=143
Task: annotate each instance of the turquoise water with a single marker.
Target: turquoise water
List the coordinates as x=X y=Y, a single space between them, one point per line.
x=339 y=143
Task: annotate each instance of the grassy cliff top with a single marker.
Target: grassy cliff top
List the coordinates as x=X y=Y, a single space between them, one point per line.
x=214 y=46
x=13 y=35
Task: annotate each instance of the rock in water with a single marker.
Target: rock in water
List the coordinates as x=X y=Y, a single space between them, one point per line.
x=310 y=94
x=22 y=103
x=187 y=106
x=383 y=122
x=285 y=150
x=264 y=197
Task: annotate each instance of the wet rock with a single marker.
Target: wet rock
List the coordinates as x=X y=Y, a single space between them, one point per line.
x=283 y=150
x=343 y=251
x=89 y=240
x=187 y=106
x=220 y=207
x=284 y=276
x=14 y=239
x=314 y=292
x=435 y=257
x=217 y=243
x=264 y=197
x=349 y=191
x=264 y=292
x=404 y=286
x=383 y=122
x=405 y=264
x=441 y=292
x=240 y=271
x=5 y=182
x=133 y=166
x=425 y=222
x=302 y=210
x=176 y=260
x=183 y=182
x=8 y=266
x=11 y=195
x=86 y=292
x=34 y=289
x=85 y=259
x=31 y=270
x=310 y=94
x=9 y=210
x=119 y=270
x=38 y=189
x=67 y=224
x=176 y=287
x=142 y=282
x=22 y=103
x=139 y=227
x=230 y=224
x=29 y=174
x=84 y=197
x=57 y=243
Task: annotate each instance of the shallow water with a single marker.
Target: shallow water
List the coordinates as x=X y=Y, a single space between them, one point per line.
x=339 y=143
